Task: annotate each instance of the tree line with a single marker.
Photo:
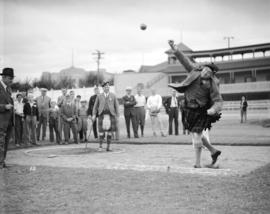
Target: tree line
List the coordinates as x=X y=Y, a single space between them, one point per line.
x=68 y=82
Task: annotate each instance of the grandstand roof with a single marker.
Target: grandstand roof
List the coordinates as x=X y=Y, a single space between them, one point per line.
x=233 y=50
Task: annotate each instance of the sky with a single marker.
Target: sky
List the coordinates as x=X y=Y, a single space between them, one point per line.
x=39 y=35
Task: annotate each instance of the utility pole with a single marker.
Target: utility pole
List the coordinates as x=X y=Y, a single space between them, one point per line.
x=229 y=38
x=98 y=54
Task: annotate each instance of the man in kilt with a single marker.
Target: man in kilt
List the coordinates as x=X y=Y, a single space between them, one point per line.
x=202 y=104
x=107 y=108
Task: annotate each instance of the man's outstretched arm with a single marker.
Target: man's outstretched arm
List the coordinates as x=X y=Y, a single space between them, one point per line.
x=184 y=60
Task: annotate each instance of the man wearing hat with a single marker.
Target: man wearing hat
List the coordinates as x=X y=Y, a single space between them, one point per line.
x=44 y=104
x=6 y=113
x=203 y=102
x=129 y=112
x=107 y=108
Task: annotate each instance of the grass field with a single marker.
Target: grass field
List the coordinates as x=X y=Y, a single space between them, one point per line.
x=61 y=190
x=72 y=184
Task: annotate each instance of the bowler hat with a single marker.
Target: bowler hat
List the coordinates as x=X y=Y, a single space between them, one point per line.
x=212 y=66
x=8 y=72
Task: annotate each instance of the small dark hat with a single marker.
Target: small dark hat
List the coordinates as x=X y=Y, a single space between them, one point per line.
x=8 y=72
x=212 y=66
x=105 y=83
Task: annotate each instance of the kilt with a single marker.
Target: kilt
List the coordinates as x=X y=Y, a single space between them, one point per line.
x=100 y=123
x=197 y=120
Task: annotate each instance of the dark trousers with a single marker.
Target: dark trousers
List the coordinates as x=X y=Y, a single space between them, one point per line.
x=5 y=135
x=73 y=126
x=140 y=118
x=131 y=118
x=54 y=130
x=95 y=129
x=243 y=116
x=42 y=122
x=173 y=116
x=18 y=129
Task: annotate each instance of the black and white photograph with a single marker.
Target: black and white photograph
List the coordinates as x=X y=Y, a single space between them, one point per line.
x=134 y=107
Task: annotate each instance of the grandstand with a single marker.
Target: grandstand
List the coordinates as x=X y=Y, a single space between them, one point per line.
x=243 y=70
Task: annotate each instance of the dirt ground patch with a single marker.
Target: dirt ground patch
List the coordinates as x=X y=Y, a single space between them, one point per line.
x=74 y=190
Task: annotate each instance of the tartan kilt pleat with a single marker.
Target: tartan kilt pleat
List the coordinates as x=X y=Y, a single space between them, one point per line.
x=100 y=123
x=197 y=120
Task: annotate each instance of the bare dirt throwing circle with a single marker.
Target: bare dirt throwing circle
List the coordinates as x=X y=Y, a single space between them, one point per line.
x=68 y=151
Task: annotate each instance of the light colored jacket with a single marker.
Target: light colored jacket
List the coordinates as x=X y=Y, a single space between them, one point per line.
x=43 y=105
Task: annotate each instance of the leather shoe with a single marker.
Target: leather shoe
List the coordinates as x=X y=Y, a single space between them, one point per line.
x=215 y=156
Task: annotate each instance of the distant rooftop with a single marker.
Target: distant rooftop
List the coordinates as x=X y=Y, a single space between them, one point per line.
x=223 y=51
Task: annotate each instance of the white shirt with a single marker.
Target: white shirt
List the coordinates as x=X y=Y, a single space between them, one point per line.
x=140 y=100
x=173 y=102
x=18 y=107
x=3 y=84
x=154 y=101
x=106 y=94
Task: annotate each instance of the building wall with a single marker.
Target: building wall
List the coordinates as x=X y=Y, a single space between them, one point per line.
x=121 y=81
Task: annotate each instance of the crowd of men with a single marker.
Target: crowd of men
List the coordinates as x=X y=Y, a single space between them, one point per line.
x=69 y=115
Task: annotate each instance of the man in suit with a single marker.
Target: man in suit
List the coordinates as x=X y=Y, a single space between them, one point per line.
x=68 y=114
x=60 y=101
x=43 y=103
x=90 y=110
x=6 y=113
x=107 y=108
x=172 y=109
x=129 y=112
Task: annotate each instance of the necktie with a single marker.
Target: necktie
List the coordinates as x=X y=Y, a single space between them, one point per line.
x=8 y=90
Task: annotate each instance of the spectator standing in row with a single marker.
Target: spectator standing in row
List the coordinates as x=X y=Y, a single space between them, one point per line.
x=90 y=110
x=82 y=115
x=243 y=109
x=43 y=103
x=19 y=119
x=54 y=119
x=140 y=110
x=154 y=104
x=68 y=114
x=60 y=101
x=31 y=115
x=183 y=118
x=172 y=109
x=6 y=113
x=129 y=112
x=77 y=102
